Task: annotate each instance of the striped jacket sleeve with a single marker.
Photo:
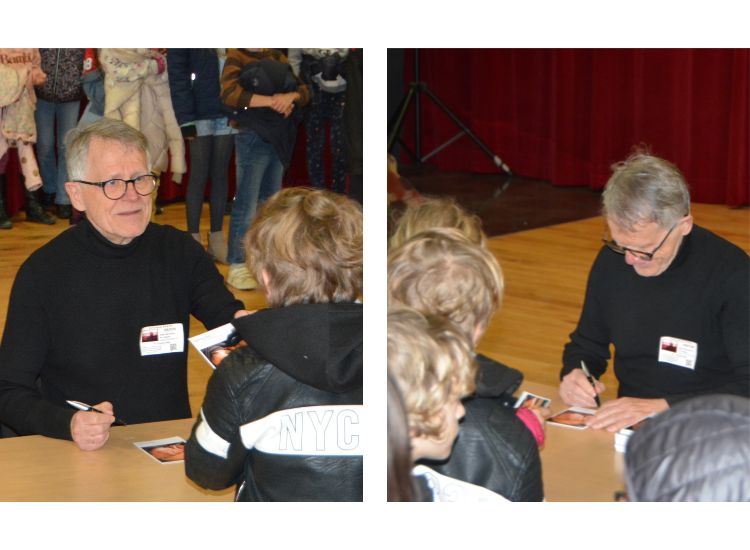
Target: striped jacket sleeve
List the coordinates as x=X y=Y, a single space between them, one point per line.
x=232 y=93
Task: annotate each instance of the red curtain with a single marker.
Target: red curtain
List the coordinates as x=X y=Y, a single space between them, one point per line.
x=567 y=115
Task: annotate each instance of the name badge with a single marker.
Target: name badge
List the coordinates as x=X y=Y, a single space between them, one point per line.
x=676 y=351
x=162 y=339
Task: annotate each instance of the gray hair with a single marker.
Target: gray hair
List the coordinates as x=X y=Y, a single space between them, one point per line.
x=77 y=143
x=644 y=188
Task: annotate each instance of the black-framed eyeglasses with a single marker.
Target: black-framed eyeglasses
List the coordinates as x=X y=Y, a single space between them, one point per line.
x=645 y=256
x=116 y=188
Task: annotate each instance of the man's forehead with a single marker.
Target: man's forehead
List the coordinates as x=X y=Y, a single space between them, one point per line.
x=114 y=145
x=106 y=153
x=642 y=231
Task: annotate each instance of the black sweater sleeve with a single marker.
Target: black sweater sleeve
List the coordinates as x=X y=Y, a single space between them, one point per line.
x=590 y=340
x=210 y=301
x=22 y=354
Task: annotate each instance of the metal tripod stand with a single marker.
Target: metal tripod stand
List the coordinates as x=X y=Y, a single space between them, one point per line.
x=417 y=88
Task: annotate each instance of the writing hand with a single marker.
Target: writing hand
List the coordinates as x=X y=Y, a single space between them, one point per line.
x=576 y=390
x=89 y=429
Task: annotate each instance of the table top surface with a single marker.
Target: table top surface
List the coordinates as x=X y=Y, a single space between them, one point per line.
x=577 y=466
x=37 y=468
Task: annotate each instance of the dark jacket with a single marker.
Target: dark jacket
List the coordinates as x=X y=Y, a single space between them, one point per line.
x=697 y=451
x=268 y=77
x=64 y=67
x=197 y=99
x=273 y=74
x=281 y=417
x=494 y=448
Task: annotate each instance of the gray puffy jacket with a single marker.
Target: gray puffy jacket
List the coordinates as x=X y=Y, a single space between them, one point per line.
x=699 y=450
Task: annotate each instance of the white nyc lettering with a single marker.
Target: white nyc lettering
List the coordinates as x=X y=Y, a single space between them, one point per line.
x=294 y=426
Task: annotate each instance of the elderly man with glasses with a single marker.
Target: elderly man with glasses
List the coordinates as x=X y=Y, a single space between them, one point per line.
x=101 y=313
x=670 y=296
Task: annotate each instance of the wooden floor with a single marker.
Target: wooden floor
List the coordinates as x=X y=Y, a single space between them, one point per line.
x=545 y=275
x=16 y=244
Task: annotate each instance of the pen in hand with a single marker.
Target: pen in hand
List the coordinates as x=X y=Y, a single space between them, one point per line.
x=591 y=381
x=84 y=407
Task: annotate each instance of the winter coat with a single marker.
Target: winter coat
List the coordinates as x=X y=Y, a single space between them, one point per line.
x=197 y=99
x=136 y=93
x=696 y=451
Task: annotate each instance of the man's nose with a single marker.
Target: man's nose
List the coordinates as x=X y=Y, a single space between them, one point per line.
x=130 y=192
x=630 y=258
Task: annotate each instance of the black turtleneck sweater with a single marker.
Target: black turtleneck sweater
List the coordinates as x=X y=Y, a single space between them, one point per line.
x=74 y=322
x=702 y=297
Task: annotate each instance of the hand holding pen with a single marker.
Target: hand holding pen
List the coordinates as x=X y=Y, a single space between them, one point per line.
x=591 y=381
x=579 y=389
x=84 y=407
x=89 y=428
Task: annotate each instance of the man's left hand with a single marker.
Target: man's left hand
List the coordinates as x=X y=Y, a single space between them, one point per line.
x=624 y=412
x=242 y=312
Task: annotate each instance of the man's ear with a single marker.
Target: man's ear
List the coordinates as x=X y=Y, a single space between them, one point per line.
x=75 y=193
x=687 y=225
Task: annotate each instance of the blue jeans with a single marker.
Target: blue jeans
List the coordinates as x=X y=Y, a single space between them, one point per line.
x=259 y=173
x=52 y=168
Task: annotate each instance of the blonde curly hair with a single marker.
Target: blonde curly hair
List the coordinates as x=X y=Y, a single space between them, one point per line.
x=432 y=213
x=309 y=243
x=441 y=272
x=432 y=362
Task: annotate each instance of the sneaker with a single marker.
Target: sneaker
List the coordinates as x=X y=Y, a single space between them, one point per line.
x=240 y=278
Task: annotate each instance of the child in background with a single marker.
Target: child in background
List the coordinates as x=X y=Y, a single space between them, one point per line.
x=20 y=72
x=195 y=89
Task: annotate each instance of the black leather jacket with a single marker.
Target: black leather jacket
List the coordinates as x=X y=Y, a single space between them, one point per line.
x=495 y=449
x=281 y=417
x=697 y=451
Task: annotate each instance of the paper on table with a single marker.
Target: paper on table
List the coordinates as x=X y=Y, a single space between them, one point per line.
x=170 y=450
x=571 y=418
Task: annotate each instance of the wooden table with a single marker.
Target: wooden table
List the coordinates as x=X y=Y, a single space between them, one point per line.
x=577 y=465
x=36 y=468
